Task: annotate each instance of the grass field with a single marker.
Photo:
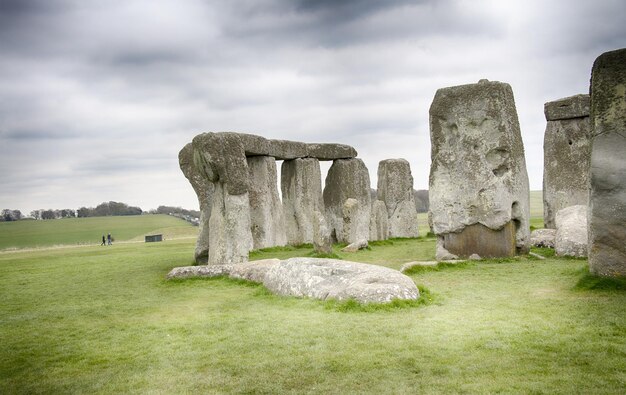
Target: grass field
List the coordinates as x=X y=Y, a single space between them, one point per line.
x=96 y=320
x=72 y=231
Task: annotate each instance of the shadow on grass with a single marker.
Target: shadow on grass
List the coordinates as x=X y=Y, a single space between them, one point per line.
x=591 y=282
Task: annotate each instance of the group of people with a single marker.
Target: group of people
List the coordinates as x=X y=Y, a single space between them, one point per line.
x=108 y=240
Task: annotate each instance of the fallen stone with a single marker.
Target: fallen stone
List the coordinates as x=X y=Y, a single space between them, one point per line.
x=339 y=280
x=543 y=238
x=607 y=199
x=478 y=171
x=567 y=154
x=441 y=254
x=354 y=247
x=253 y=271
x=474 y=257
x=330 y=151
x=571 y=232
x=541 y=257
x=199 y=271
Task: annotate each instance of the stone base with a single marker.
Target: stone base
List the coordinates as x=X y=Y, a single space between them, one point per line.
x=479 y=239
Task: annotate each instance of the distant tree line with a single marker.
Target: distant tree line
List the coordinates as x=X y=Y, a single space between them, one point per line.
x=53 y=214
x=10 y=215
x=176 y=211
x=108 y=209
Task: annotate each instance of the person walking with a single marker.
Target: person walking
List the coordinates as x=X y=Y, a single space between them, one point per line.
x=109 y=238
x=103 y=241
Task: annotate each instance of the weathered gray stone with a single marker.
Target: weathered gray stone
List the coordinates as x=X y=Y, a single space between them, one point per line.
x=287 y=150
x=315 y=278
x=204 y=191
x=266 y=211
x=348 y=178
x=354 y=222
x=254 y=145
x=354 y=247
x=566 y=155
x=379 y=223
x=567 y=108
x=441 y=254
x=340 y=280
x=571 y=231
x=321 y=235
x=607 y=199
x=543 y=237
x=199 y=271
x=221 y=157
x=395 y=188
x=230 y=237
x=330 y=151
x=301 y=187
x=478 y=171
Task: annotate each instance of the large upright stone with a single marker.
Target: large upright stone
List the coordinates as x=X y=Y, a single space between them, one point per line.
x=566 y=155
x=379 y=223
x=479 y=198
x=348 y=178
x=204 y=191
x=266 y=211
x=607 y=199
x=395 y=188
x=230 y=237
x=301 y=186
x=222 y=157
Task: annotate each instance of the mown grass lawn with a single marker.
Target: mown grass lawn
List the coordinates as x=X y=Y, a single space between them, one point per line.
x=105 y=320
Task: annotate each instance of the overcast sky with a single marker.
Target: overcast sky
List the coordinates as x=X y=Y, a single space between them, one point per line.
x=98 y=97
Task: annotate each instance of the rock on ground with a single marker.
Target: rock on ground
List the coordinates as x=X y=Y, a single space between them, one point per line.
x=543 y=238
x=348 y=178
x=478 y=171
x=395 y=188
x=315 y=278
x=566 y=155
x=357 y=245
x=302 y=196
x=571 y=231
x=607 y=199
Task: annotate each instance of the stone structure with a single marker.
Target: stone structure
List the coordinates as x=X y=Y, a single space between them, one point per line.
x=566 y=155
x=234 y=176
x=571 y=231
x=543 y=238
x=204 y=191
x=379 y=223
x=395 y=189
x=266 y=212
x=315 y=278
x=348 y=178
x=301 y=184
x=479 y=197
x=607 y=198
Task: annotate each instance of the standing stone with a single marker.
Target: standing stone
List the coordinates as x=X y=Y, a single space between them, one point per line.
x=321 y=235
x=566 y=155
x=607 y=198
x=204 y=191
x=571 y=231
x=301 y=187
x=395 y=188
x=479 y=194
x=348 y=178
x=266 y=211
x=379 y=223
x=230 y=237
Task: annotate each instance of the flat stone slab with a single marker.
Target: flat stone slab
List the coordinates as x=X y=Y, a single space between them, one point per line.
x=330 y=151
x=567 y=108
x=316 y=278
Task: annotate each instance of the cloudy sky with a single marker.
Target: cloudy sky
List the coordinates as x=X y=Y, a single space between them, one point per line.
x=98 y=97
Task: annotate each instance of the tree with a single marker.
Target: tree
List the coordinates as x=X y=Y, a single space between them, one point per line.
x=36 y=214
x=10 y=215
x=48 y=214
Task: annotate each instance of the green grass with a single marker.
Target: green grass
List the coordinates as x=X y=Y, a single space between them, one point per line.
x=105 y=320
x=72 y=231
